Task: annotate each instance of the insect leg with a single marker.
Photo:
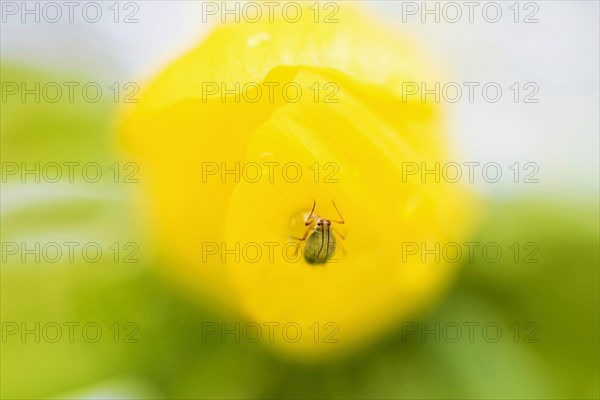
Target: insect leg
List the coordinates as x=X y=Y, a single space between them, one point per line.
x=322 y=242
x=310 y=227
x=339 y=234
x=311 y=224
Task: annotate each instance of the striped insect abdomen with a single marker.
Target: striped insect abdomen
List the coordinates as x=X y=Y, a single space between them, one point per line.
x=320 y=246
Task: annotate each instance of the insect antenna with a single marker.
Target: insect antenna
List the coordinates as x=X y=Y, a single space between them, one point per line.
x=311 y=213
x=338 y=211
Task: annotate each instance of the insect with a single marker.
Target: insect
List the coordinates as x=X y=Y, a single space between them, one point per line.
x=321 y=244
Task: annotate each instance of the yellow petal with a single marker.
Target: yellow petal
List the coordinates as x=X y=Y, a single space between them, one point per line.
x=369 y=288
x=356 y=134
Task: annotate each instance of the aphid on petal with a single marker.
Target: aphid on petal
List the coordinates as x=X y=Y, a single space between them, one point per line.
x=320 y=244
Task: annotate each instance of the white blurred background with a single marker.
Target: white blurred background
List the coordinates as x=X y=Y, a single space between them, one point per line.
x=560 y=53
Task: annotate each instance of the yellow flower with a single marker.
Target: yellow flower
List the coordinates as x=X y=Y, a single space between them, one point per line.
x=343 y=125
